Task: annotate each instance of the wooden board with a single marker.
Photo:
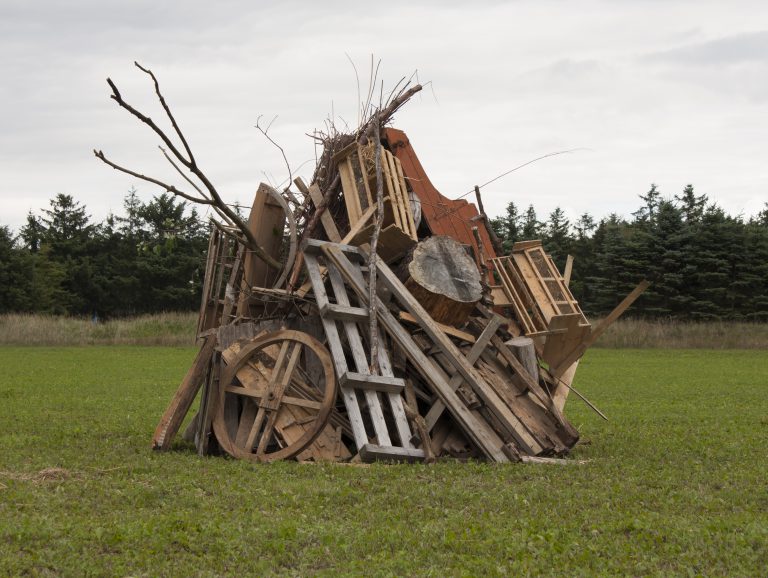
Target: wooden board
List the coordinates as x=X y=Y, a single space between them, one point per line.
x=267 y=223
x=442 y=215
x=182 y=400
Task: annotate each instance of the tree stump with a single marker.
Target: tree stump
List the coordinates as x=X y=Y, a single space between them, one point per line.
x=444 y=279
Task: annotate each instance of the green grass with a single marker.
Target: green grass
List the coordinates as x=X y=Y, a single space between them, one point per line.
x=675 y=483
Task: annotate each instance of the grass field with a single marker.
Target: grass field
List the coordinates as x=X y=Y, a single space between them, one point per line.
x=675 y=483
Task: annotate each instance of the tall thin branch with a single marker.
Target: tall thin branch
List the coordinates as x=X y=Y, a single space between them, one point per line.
x=373 y=257
x=168 y=111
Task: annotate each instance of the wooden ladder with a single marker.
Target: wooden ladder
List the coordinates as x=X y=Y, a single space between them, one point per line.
x=365 y=395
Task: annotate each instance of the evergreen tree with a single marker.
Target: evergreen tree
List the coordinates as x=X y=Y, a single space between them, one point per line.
x=557 y=239
x=508 y=227
x=32 y=233
x=17 y=292
x=647 y=213
x=692 y=206
x=531 y=226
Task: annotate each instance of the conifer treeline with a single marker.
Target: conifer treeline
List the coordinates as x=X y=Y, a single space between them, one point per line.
x=150 y=260
x=705 y=264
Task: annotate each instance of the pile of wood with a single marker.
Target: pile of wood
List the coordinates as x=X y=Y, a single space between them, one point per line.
x=367 y=317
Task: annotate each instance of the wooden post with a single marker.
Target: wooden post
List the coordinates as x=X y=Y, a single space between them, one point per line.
x=524 y=350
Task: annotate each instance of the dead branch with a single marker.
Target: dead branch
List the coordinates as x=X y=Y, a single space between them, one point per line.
x=189 y=162
x=491 y=233
x=265 y=133
x=170 y=188
x=372 y=256
x=366 y=131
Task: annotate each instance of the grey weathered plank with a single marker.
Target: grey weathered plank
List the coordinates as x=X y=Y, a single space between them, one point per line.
x=437 y=409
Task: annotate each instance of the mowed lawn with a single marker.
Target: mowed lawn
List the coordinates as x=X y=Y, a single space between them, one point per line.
x=676 y=482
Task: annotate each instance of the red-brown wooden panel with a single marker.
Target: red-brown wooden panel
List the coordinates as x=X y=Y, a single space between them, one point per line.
x=443 y=215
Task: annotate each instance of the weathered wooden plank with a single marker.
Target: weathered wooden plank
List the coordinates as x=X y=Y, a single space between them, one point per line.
x=326 y=219
x=373 y=453
x=449 y=329
x=182 y=400
x=437 y=409
x=372 y=382
x=344 y=312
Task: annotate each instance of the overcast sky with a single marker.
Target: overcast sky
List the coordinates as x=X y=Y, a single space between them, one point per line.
x=670 y=92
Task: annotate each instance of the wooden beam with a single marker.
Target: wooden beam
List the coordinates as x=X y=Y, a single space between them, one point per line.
x=601 y=328
x=463 y=335
x=568 y=270
x=182 y=400
x=326 y=219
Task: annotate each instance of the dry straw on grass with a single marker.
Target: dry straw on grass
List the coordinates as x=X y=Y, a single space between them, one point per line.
x=170 y=329
x=640 y=334
x=46 y=475
x=178 y=329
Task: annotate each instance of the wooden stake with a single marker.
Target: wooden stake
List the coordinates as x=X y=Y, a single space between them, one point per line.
x=372 y=256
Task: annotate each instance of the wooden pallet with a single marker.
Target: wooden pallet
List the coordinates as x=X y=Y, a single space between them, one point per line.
x=358 y=181
x=501 y=419
x=534 y=288
x=366 y=396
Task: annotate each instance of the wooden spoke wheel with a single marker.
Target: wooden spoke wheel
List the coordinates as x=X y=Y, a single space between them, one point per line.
x=275 y=397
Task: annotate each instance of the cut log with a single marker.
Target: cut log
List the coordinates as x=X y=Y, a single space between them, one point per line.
x=444 y=280
x=524 y=350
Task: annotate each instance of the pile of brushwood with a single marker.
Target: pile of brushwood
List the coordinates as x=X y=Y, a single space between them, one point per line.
x=364 y=316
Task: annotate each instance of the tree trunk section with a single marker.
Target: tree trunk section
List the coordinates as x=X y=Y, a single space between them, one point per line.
x=444 y=279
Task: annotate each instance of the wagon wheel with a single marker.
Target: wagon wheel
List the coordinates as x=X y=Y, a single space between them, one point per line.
x=265 y=393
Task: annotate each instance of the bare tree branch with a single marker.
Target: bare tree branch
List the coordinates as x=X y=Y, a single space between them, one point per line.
x=167 y=111
x=190 y=163
x=373 y=256
x=170 y=188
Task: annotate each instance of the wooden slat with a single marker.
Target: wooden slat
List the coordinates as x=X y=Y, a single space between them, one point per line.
x=372 y=382
x=355 y=343
x=349 y=189
x=373 y=453
x=437 y=409
x=448 y=329
x=344 y=312
x=326 y=219
x=406 y=199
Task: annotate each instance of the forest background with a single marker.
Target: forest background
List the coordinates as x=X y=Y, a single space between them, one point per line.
x=705 y=264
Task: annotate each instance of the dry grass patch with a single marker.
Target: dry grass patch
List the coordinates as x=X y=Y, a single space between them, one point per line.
x=168 y=329
x=642 y=334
